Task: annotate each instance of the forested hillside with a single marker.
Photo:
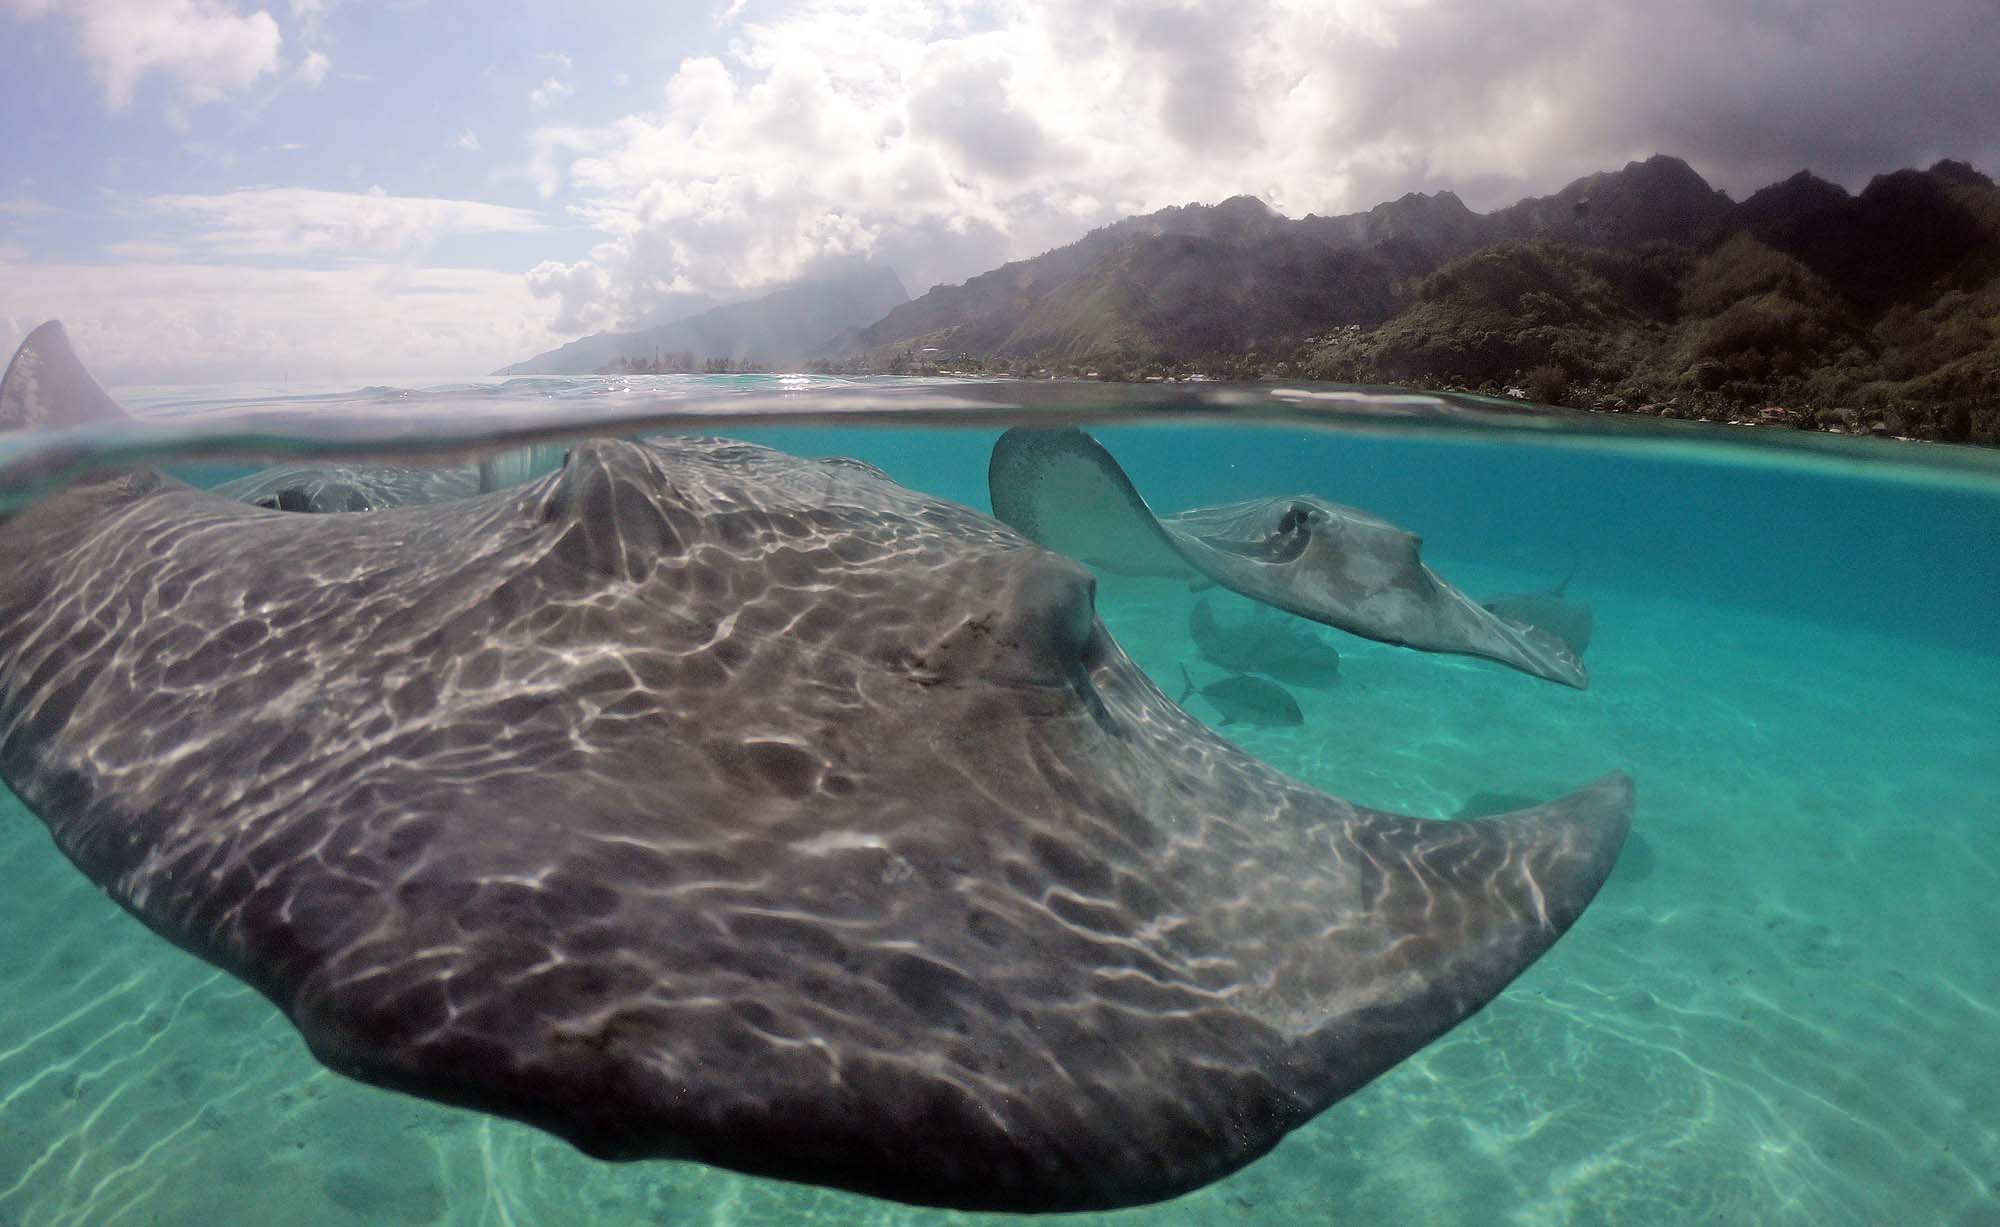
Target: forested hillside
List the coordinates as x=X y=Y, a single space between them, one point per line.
x=1641 y=290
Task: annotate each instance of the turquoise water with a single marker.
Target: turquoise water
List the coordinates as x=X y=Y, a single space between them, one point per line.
x=1784 y=1007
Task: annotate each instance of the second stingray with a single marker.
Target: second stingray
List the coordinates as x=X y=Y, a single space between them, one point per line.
x=1319 y=560
x=1269 y=644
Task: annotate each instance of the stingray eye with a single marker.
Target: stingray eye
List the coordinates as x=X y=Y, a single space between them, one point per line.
x=1290 y=538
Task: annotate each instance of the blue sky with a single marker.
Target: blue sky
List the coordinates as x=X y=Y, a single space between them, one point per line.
x=258 y=149
x=340 y=189
x=402 y=87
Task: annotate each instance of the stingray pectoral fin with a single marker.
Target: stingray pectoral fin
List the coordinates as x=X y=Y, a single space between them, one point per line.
x=1567 y=620
x=46 y=387
x=1062 y=490
x=1053 y=1049
x=1462 y=909
x=1366 y=577
x=1463 y=625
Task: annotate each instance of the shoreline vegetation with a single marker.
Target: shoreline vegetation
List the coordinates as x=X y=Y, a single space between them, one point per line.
x=1639 y=291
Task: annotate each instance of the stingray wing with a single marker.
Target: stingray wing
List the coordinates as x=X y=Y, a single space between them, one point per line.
x=1350 y=570
x=1570 y=621
x=1063 y=491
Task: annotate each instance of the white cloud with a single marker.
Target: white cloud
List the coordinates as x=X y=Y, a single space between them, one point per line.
x=548 y=93
x=579 y=290
x=945 y=138
x=204 y=50
x=26 y=206
x=467 y=140
x=306 y=221
x=142 y=249
x=310 y=18
x=180 y=323
x=313 y=69
x=940 y=142
x=550 y=150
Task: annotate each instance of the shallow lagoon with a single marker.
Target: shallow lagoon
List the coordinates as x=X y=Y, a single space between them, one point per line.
x=1784 y=1008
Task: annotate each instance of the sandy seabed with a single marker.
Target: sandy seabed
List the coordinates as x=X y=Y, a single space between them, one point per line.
x=1783 y=1009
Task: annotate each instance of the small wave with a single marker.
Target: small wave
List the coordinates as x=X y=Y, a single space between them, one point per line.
x=458 y=422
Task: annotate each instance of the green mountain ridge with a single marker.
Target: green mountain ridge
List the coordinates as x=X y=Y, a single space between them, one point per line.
x=1637 y=289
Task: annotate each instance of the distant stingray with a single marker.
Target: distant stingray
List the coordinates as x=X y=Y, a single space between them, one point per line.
x=698 y=801
x=1316 y=559
x=1567 y=619
x=1274 y=645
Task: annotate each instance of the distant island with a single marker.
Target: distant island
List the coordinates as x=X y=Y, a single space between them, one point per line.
x=684 y=362
x=1642 y=290
x=779 y=331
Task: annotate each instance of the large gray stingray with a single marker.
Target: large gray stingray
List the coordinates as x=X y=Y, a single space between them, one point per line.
x=698 y=801
x=1316 y=559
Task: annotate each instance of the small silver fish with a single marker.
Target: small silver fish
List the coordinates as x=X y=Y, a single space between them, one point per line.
x=1251 y=700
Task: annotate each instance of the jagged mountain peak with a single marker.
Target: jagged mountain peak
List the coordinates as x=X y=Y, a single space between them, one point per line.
x=1957 y=173
x=1797 y=196
x=1661 y=197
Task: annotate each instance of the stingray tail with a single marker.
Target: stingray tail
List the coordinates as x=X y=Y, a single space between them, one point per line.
x=1202 y=628
x=520 y=466
x=1187 y=685
x=1568 y=575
